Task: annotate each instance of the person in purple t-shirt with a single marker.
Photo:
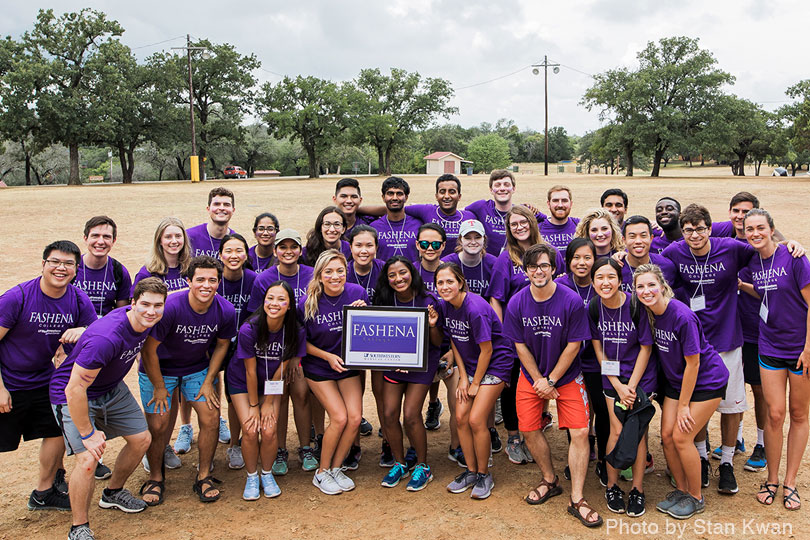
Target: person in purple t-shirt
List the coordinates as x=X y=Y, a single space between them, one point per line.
x=326 y=234
x=471 y=256
x=401 y=286
x=337 y=388
x=484 y=359
x=637 y=236
x=170 y=256
x=623 y=341
x=204 y=238
x=548 y=324
x=176 y=358
x=695 y=378
x=783 y=284
x=396 y=231
x=558 y=229
x=364 y=268
x=262 y=256
x=348 y=198
x=667 y=216
x=614 y=201
x=105 y=280
x=267 y=342
x=446 y=213
x=602 y=229
x=93 y=404
x=430 y=242
x=36 y=318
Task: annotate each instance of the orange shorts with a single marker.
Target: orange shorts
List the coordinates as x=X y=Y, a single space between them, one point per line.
x=572 y=405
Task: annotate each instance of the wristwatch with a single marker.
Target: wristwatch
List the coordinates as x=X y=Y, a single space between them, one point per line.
x=551 y=382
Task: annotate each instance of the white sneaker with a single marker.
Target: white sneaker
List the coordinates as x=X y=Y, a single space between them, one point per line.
x=326 y=483
x=345 y=483
x=235 y=459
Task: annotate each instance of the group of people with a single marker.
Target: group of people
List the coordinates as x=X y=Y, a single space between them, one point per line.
x=605 y=315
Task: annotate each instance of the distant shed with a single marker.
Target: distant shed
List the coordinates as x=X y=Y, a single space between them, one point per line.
x=439 y=163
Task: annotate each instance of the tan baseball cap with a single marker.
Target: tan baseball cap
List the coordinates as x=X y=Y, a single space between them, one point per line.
x=288 y=234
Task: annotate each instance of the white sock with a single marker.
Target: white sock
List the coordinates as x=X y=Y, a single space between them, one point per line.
x=728 y=454
x=701 y=448
x=252 y=474
x=761 y=437
x=266 y=472
x=739 y=432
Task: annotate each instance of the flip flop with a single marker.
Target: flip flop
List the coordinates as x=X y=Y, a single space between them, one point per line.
x=151 y=487
x=552 y=490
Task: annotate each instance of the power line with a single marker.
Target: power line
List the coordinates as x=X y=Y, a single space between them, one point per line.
x=158 y=43
x=574 y=69
x=495 y=79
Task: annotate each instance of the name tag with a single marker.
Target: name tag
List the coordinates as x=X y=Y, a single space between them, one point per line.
x=610 y=368
x=273 y=388
x=697 y=303
x=763 y=312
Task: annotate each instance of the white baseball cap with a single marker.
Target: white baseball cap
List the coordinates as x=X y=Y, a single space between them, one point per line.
x=471 y=225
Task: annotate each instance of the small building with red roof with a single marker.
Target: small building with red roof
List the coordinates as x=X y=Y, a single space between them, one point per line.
x=439 y=163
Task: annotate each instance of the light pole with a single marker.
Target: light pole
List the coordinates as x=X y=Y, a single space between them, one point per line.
x=536 y=70
x=194 y=160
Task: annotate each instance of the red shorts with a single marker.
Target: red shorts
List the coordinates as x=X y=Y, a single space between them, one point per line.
x=572 y=405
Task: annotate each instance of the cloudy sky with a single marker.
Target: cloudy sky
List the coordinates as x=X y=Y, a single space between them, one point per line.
x=485 y=48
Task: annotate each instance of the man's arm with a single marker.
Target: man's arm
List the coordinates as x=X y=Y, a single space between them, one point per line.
x=76 y=394
x=207 y=388
x=151 y=365
x=5 y=396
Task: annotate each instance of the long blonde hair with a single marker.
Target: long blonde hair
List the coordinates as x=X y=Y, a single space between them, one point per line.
x=583 y=229
x=157 y=260
x=512 y=245
x=666 y=289
x=315 y=287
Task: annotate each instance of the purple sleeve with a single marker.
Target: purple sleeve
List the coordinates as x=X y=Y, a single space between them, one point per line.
x=476 y=208
x=302 y=343
x=87 y=312
x=419 y=211
x=801 y=272
x=245 y=343
x=723 y=229
x=645 y=336
x=228 y=329
x=10 y=306
x=511 y=322
x=540 y=217
x=164 y=326
x=124 y=292
x=95 y=353
x=690 y=337
x=480 y=327
x=578 y=329
x=499 y=280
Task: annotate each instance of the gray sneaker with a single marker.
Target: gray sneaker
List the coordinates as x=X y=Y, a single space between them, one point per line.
x=82 y=532
x=672 y=499
x=122 y=500
x=686 y=507
x=514 y=451
x=326 y=483
x=483 y=486
x=463 y=482
x=170 y=458
x=526 y=452
x=235 y=459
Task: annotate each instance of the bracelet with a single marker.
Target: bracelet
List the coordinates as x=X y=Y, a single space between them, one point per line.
x=88 y=435
x=249 y=405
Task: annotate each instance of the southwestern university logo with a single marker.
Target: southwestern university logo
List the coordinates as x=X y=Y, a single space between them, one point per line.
x=391 y=334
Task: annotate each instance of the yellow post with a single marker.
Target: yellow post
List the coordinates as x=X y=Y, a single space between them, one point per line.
x=195 y=168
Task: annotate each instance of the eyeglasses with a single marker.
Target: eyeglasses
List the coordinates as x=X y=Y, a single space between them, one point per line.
x=689 y=231
x=56 y=263
x=515 y=225
x=435 y=244
x=332 y=225
x=532 y=268
x=269 y=229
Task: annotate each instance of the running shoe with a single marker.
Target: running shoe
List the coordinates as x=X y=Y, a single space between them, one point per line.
x=123 y=500
x=280 y=466
x=601 y=473
x=615 y=499
x=235 y=459
x=395 y=474
x=739 y=448
x=50 y=499
x=170 y=459
x=410 y=458
x=498 y=412
x=727 y=485
x=757 y=461
x=650 y=465
x=671 y=500
x=434 y=412
x=251 y=492
x=635 y=503
x=420 y=478
x=386 y=456
x=686 y=507
x=307 y=458
x=326 y=483
x=102 y=471
x=316 y=448
x=526 y=451
x=463 y=482
x=81 y=532
x=365 y=428
x=269 y=485
x=345 y=483
x=184 y=437
x=457 y=455
x=352 y=461
x=514 y=450
x=705 y=472
x=495 y=440
x=483 y=486
x=224 y=432
x=546 y=420
x=59 y=482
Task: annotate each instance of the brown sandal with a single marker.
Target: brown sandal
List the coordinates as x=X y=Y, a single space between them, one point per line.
x=552 y=490
x=573 y=509
x=769 y=490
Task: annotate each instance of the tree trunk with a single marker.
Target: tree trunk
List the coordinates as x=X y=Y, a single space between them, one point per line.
x=741 y=165
x=757 y=166
x=312 y=160
x=702 y=160
x=629 y=154
x=214 y=166
x=388 y=161
x=380 y=161
x=74 y=179
x=657 y=156
x=792 y=169
x=27 y=168
x=202 y=153
x=180 y=167
x=127 y=158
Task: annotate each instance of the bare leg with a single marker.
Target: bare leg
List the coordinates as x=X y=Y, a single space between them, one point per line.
x=327 y=392
x=250 y=438
x=51 y=451
x=81 y=486
x=414 y=422
x=799 y=400
x=128 y=458
x=392 y=429
x=480 y=414
x=774 y=388
x=451 y=383
x=685 y=444
x=207 y=441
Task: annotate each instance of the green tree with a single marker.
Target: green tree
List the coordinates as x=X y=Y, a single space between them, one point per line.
x=559 y=145
x=799 y=113
x=387 y=109
x=739 y=126
x=488 y=152
x=446 y=138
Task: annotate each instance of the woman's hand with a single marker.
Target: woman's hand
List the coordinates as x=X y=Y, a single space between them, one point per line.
x=433 y=316
x=684 y=419
x=335 y=361
x=268 y=415
x=253 y=419
x=472 y=391
x=627 y=395
x=462 y=394
x=358 y=303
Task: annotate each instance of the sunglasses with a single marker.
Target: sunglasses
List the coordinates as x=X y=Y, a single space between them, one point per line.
x=435 y=244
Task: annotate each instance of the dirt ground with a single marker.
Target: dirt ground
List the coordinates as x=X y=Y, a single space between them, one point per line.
x=44 y=214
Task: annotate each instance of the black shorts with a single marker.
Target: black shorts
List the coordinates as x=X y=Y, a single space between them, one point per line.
x=698 y=395
x=31 y=417
x=773 y=363
x=750 y=354
x=321 y=378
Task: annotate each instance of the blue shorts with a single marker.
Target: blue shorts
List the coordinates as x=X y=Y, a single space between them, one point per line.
x=189 y=386
x=772 y=363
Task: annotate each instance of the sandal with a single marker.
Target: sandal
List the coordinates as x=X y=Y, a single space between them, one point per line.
x=573 y=509
x=552 y=490
x=153 y=487
x=769 y=490
x=791 y=495
x=202 y=487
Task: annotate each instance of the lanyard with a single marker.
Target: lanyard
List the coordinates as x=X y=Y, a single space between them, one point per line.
x=357 y=276
x=397 y=251
x=765 y=276
x=703 y=270
x=238 y=309
x=103 y=281
x=588 y=289
x=617 y=341
x=412 y=304
x=267 y=363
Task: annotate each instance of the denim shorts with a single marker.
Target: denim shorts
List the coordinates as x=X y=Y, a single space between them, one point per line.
x=189 y=386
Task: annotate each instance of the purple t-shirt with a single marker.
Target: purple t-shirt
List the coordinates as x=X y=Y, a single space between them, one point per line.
x=397 y=237
x=559 y=236
x=185 y=336
x=238 y=294
x=621 y=340
x=667 y=268
x=678 y=333
x=493 y=221
x=434 y=353
x=547 y=328
x=717 y=272
x=359 y=220
x=35 y=323
x=431 y=213
x=110 y=345
x=268 y=358
x=173 y=279
x=298 y=283
x=587 y=358
x=783 y=277
x=748 y=309
x=660 y=243
x=473 y=323
x=427 y=276
x=100 y=285
x=369 y=281
x=260 y=264
x=478 y=277
x=723 y=229
x=325 y=330
x=202 y=243
x=345 y=248
x=507 y=279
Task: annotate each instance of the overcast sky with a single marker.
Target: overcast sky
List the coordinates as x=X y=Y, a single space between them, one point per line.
x=469 y=42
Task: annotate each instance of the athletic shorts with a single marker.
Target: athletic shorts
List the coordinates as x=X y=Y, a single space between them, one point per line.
x=701 y=395
x=321 y=378
x=116 y=413
x=488 y=379
x=772 y=363
x=735 y=400
x=189 y=386
x=573 y=409
x=27 y=419
x=750 y=352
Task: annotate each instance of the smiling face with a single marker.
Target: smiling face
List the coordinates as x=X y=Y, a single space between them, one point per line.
x=276 y=303
x=615 y=205
x=606 y=282
x=447 y=285
x=399 y=278
x=696 y=235
x=395 y=199
x=364 y=248
x=559 y=204
x=737 y=215
x=638 y=240
x=519 y=225
x=502 y=190
x=541 y=272
x=288 y=251
x=448 y=195
x=429 y=253
x=233 y=254
x=265 y=232
x=221 y=209
x=333 y=277
x=649 y=289
x=148 y=309
x=347 y=199
x=600 y=233
x=666 y=214
x=582 y=262
x=172 y=240
x=758 y=233
x=203 y=284
x=472 y=243
x=332 y=228
x=58 y=269
x=100 y=240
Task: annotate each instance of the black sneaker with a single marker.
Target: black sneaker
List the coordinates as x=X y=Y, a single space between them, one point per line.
x=410 y=458
x=317 y=445
x=352 y=461
x=567 y=473
x=615 y=499
x=434 y=412
x=601 y=473
x=635 y=503
x=496 y=443
x=457 y=455
x=365 y=428
x=386 y=456
x=50 y=499
x=705 y=472
x=728 y=483
x=102 y=471
x=59 y=482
